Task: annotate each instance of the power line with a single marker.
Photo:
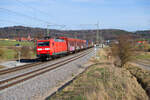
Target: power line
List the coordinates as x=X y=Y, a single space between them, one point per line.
x=27 y=6
x=13 y=22
x=30 y=17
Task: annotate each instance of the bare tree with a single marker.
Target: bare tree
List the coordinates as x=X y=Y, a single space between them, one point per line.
x=123 y=50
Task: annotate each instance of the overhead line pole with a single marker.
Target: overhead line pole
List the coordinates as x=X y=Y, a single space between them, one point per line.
x=97 y=34
x=47 y=31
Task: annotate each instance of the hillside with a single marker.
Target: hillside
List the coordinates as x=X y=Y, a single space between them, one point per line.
x=21 y=31
x=144 y=33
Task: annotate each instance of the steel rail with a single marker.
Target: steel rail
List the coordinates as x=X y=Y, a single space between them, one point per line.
x=9 y=70
x=26 y=76
x=18 y=68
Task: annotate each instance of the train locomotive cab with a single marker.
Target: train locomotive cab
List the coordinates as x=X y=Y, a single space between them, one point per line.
x=43 y=49
x=51 y=48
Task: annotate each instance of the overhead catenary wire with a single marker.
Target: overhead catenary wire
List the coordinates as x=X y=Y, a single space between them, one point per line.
x=33 y=8
x=71 y=27
x=31 y=17
x=27 y=16
x=38 y=11
x=12 y=22
x=19 y=23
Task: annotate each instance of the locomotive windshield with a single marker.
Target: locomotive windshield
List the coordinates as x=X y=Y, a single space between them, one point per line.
x=43 y=43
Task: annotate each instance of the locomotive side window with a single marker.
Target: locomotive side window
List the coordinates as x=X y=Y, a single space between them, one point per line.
x=43 y=44
x=58 y=40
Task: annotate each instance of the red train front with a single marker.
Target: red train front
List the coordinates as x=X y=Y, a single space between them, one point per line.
x=51 y=48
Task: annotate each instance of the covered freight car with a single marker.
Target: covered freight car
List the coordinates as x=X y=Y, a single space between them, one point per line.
x=74 y=45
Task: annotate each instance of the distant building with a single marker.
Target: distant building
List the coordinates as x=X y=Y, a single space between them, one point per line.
x=24 y=38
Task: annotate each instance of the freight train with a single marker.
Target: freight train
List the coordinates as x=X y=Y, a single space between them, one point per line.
x=55 y=47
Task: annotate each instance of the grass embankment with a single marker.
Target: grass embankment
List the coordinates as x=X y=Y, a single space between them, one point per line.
x=8 y=51
x=11 y=53
x=13 y=43
x=143 y=76
x=103 y=82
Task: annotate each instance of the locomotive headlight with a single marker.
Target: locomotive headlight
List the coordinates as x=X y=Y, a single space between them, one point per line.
x=47 y=48
x=39 y=49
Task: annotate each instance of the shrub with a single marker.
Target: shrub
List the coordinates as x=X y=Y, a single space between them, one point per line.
x=34 y=50
x=25 y=52
x=146 y=46
x=123 y=50
x=17 y=50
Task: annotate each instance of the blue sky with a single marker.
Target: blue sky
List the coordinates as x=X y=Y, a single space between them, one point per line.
x=129 y=15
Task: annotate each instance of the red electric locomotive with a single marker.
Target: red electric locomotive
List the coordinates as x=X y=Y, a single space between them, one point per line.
x=51 y=48
x=56 y=47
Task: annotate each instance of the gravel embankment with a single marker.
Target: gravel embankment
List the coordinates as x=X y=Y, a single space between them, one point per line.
x=41 y=86
x=20 y=72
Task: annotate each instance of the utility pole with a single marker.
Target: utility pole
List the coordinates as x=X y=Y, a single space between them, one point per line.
x=48 y=34
x=19 y=53
x=99 y=37
x=97 y=34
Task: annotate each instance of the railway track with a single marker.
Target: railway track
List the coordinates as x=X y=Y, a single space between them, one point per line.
x=6 y=83
x=10 y=70
x=18 y=68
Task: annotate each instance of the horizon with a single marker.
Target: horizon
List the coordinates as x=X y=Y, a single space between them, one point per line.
x=129 y=15
x=73 y=29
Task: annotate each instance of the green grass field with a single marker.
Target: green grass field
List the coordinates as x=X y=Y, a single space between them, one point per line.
x=13 y=43
x=8 y=49
x=11 y=54
x=7 y=54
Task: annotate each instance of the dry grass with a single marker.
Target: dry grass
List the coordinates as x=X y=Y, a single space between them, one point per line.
x=2 y=66
x=142 y=75
x=103 y=82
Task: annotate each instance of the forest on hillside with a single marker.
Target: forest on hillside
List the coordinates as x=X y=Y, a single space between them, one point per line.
x=107 y=34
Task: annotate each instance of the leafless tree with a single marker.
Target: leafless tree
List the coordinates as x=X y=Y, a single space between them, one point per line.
x=123 y=50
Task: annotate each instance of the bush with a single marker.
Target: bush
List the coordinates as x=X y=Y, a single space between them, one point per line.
x=25 y=52
x=17 y=50
x=34 y=50
x=123 y=51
